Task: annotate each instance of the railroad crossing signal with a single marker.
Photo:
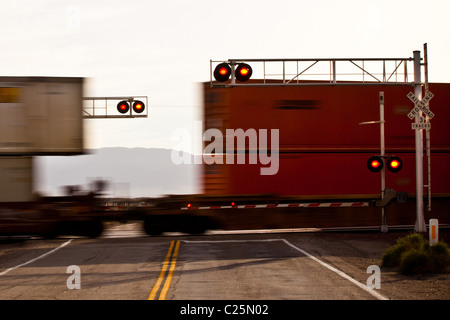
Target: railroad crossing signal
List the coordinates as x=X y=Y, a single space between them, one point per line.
x=420 y=105
x=376 y=164
x=394 y=164
x=138 y=106
x=125 y=107
x=297 y=72
x=223 y=71
x=243 y=72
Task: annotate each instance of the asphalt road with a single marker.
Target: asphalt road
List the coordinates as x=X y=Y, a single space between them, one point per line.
x=125 y=264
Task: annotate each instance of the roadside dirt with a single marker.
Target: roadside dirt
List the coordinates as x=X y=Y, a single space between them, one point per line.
x=353 y=253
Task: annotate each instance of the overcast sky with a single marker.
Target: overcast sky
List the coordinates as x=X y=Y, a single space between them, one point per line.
x=162 y=49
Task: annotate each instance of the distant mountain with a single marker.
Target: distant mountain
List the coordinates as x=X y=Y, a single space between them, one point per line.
x=131 y=172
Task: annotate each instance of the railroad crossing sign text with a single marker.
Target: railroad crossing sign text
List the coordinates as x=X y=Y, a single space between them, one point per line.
x=420 y=105
x=426 y=125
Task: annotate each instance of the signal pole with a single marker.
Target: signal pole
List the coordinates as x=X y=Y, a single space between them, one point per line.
x=420 y=220
x=384 y=226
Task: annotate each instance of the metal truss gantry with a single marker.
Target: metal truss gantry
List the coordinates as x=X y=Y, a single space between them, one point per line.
x=329 y=71
x=105 y=107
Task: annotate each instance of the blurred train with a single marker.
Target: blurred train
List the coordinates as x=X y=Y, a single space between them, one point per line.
x=318 y=175
x=288 y=157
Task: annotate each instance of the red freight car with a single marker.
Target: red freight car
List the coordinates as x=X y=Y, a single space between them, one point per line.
x=296 y=157
x=322 y=148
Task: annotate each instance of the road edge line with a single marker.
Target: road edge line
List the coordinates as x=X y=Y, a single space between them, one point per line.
x=37 y=258
x=337 y=271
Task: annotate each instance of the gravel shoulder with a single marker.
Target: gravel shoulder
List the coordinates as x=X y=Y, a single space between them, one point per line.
x=353 y=253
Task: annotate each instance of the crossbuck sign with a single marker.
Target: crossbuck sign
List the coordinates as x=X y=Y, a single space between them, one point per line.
x=420 y=105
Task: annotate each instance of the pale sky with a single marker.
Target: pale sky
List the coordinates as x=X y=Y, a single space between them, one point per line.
x=162 y=49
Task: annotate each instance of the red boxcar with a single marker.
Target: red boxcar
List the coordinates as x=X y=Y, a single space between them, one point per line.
x=323 y=150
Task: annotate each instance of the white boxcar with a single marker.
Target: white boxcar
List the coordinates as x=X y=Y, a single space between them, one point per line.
x=16 y=179
x=41 y=116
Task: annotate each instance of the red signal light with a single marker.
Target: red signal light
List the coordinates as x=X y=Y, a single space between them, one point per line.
x=138 y=106
x=394 y=164
x=222 y=72
x=123 y=107
x=375 y=164
x=243 y=72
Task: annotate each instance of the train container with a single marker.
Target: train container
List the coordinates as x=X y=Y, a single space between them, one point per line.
x=41 y=116
x=322 y=148
x=319 y=156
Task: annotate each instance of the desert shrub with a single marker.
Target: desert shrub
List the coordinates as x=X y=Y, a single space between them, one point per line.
x=414 y=261
x=440 y=256
x=412 y=254
x=392 y=256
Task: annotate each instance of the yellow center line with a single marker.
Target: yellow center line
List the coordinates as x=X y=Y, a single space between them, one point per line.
x=165 y=288
x=162 y=295
x=161 y=274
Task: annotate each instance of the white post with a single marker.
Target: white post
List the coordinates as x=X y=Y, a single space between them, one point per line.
x=334 y=71
x=233 y=75
x=427 y=131
x=434 y=231
x=420 y=221
x=384 y=227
